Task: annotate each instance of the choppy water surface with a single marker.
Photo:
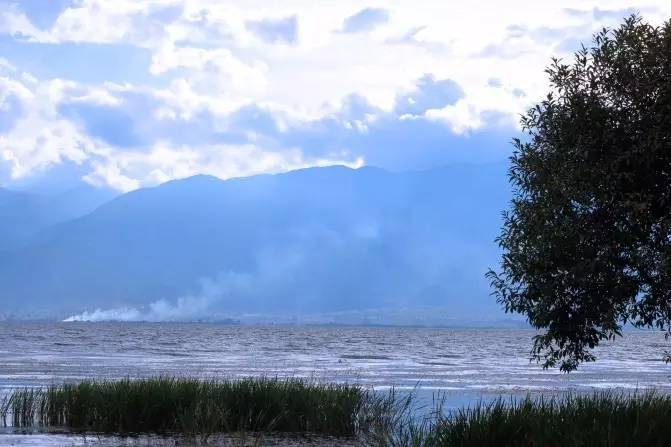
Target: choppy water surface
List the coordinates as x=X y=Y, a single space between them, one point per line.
x=466 y=364
x=455 y=360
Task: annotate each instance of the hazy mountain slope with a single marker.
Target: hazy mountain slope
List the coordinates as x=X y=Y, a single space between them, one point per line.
x=21 y=215
x=24 y=214
x=315 y=240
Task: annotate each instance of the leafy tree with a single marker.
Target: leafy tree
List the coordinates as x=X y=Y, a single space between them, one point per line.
x=587 y=239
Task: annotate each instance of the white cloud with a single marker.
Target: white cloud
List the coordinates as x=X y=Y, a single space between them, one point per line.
x=365 y=20
x=210 y=59
x=15 y=23
x=102 y=21
x=40 y=137
x=126 y=170
x=213 y=73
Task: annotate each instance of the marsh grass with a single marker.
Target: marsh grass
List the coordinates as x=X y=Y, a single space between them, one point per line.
x=190 y=406
x=5 y=404
x=252 y=408
x=602 y=419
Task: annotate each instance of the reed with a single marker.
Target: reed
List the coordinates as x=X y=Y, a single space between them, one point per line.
x=597 y=420
x=5 y=405
x=190 y=406
x=259 y=406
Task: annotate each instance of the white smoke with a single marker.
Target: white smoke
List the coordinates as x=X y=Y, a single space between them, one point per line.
x=119 y=314
x=186 y=308
x=292 y=272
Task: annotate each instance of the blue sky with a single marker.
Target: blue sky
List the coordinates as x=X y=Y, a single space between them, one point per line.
x=130 y=93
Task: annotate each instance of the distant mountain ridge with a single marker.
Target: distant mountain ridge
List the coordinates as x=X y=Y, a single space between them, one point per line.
x=315 y=240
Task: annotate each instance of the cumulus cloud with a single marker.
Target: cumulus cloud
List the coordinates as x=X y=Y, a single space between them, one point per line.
x=13 y=96
x=131 y=136
x=211 y=70
x=15 y=23
x=225 y=88
x=429 y=93
x=36 y=137
x=127 y=170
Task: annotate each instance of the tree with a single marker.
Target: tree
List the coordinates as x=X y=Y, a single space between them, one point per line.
x=587 y=239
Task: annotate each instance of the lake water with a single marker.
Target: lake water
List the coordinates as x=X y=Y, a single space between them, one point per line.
x=465 y=364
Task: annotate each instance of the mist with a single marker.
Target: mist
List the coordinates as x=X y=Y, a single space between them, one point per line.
x=212 y=295
x=311 y=242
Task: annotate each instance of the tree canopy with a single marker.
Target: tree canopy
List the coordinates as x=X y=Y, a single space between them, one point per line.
x=587 y=238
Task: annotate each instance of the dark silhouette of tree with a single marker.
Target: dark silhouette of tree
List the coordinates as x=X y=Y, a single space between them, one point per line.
x=587 y=239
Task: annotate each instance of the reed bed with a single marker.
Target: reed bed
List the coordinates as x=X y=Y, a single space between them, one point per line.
x=190 y=406
x=187 y=407
x=606 y=419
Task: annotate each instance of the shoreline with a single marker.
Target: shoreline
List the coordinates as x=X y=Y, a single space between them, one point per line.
x=299 y=412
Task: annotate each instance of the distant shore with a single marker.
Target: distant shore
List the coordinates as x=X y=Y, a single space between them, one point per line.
x=502 y=324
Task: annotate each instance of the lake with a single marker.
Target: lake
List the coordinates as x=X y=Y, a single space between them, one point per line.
x=457 y=361
x=465 y=364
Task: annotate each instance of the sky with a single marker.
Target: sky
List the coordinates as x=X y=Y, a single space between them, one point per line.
x=126 y=93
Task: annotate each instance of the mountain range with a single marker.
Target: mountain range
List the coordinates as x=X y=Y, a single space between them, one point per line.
x=317 y=240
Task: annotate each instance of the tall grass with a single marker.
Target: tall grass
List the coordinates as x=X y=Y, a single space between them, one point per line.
x=597 y=420
x=201 y=408
x=5 y=404
x=168 y=405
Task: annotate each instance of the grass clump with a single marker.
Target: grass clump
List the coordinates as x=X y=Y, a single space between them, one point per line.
x=202 y=408
x=190 y=406
x=596 y=420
